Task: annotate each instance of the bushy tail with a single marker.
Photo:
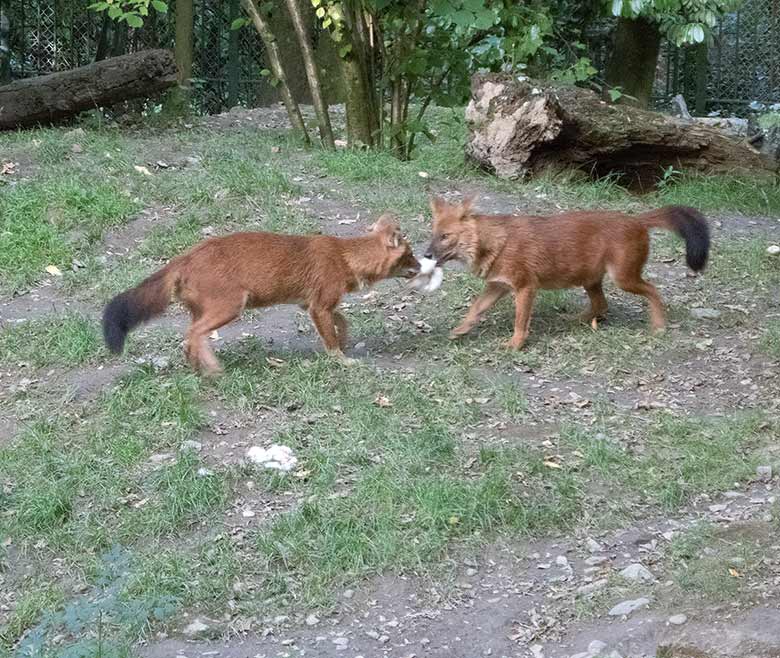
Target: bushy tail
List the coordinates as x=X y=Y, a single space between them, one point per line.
x=690 y=225
x=137 y=305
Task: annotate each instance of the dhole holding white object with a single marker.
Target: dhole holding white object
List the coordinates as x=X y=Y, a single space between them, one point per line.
x=430 y=276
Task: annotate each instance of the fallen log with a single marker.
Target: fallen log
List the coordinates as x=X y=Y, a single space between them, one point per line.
x=519 y=128
x=51 y=98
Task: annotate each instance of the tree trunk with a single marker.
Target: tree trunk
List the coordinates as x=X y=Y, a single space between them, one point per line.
x=180 y=97
x=521 y=128
x=50 y=98
x=362 y=117
x=312 y=74
x=634 y=58
x=275 y=63
x=5 y=49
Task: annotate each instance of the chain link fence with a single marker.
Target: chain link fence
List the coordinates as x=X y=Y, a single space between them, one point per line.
x=741 y=67
x=739 y=71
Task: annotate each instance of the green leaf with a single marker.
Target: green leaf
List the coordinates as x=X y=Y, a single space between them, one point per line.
x=615 y=94
x=98 y=6
x=114 y=11
x=238 y=23
x=320 y=12
x=345 y=50
x=134 y=20
x=265 y=72
x=160 y=6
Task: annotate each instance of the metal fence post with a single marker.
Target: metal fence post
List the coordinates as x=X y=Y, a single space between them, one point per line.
x=233 y=63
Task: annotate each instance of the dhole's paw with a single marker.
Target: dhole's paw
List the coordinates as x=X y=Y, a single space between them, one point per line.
x=659 y=330
x=512 y=344
x=211 y=373
x=459 y=331
x=343 y=359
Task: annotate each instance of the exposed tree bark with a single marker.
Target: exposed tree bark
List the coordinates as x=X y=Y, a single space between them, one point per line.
x=362 y=117
x=5 y=48
x=634 y=58
x=521 y=128
x=51 y=98
x=313 y=75
x=180 y=97
x=275 y=63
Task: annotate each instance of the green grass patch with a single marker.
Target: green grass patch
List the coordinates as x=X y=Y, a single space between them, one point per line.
x=720 y=193
x=68 y=340
x=52 y=222
x=770 y=341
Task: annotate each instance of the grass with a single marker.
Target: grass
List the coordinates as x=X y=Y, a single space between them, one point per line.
x=402 y=462
x=53 y=222
x=69 y=340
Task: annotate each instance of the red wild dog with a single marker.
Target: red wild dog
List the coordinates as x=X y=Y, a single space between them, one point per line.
x=218 y=278
x=521 y=254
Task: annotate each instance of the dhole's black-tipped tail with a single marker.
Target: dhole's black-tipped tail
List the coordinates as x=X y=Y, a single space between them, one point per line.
x=690 y=225
x=137 y=305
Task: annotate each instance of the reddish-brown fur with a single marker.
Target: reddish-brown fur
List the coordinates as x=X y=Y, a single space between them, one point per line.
x=218 y=278
x=521 y=254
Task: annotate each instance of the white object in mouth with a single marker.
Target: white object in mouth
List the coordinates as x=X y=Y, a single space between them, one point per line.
x=428 y=281
x=435 y=281
x=427 y=265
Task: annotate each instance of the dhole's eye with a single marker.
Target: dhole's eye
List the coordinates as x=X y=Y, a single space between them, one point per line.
x=444 y=236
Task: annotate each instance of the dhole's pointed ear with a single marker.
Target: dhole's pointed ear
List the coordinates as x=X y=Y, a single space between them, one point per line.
x=387 y=226
x=467 y=205
x=437 y=205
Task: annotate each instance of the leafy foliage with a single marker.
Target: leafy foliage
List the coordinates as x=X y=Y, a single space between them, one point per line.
x=130 y=11
x=685 y=21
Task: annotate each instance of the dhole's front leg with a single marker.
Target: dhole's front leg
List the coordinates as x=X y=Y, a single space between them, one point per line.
x=524 y=302
x=490 y=295
x=325 y=321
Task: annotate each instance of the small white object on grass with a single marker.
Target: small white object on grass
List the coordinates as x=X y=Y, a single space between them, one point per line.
x=277 y=457
x=430 y=276
x=773 y=250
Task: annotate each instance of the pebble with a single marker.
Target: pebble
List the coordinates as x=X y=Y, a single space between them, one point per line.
x=627 y=607
x=637 y=573
x=561 y=561
x=595 y=560
x=773 y=249
x=471 y=572
x=594 y=546
x=678 y=620
x=705 y=313
x=591 y=588
x=195 y=628
x=536 y=651
x=348 y=593
x=764 y=473
x=341 y=642
x=195 y=446
x=718 y=508
x=312 y=620
x=383 y=639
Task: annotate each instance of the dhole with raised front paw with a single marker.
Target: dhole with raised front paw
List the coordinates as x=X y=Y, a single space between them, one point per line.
x=521 y=254
x=220 y=277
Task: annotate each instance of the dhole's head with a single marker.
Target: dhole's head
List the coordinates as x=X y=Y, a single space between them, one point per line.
x=399 y=258
x=449 y=229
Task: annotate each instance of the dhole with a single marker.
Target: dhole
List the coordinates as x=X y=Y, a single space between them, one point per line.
x=521 y=254
x=218 y=278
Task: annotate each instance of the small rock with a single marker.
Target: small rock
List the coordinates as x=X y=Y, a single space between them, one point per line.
x=248 y=514
x=471 y=572
x=312 y=620
x=76 y=148
x=160 y=362
x=596 y=647
x=189 y=444
x=590 y=589
x=593 y=546
x=764 y=473
x=537 y=651
x=204 y=472
x=773 y=250
x=627 y=607
x=196 y=629
x=348 y=593
x=718 y=508
x=596 y=560
x=637 y=573
x=341 y=642
x=678 y=620
x=705 y=313
x=561 y=561
x=383 y=639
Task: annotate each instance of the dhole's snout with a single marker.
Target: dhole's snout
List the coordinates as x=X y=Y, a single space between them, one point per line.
x=411 y=269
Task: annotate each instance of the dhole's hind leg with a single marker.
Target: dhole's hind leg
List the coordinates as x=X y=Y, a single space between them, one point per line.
x=216 y=315
x=639 y=286
x=598 y=303
x=341 y=329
